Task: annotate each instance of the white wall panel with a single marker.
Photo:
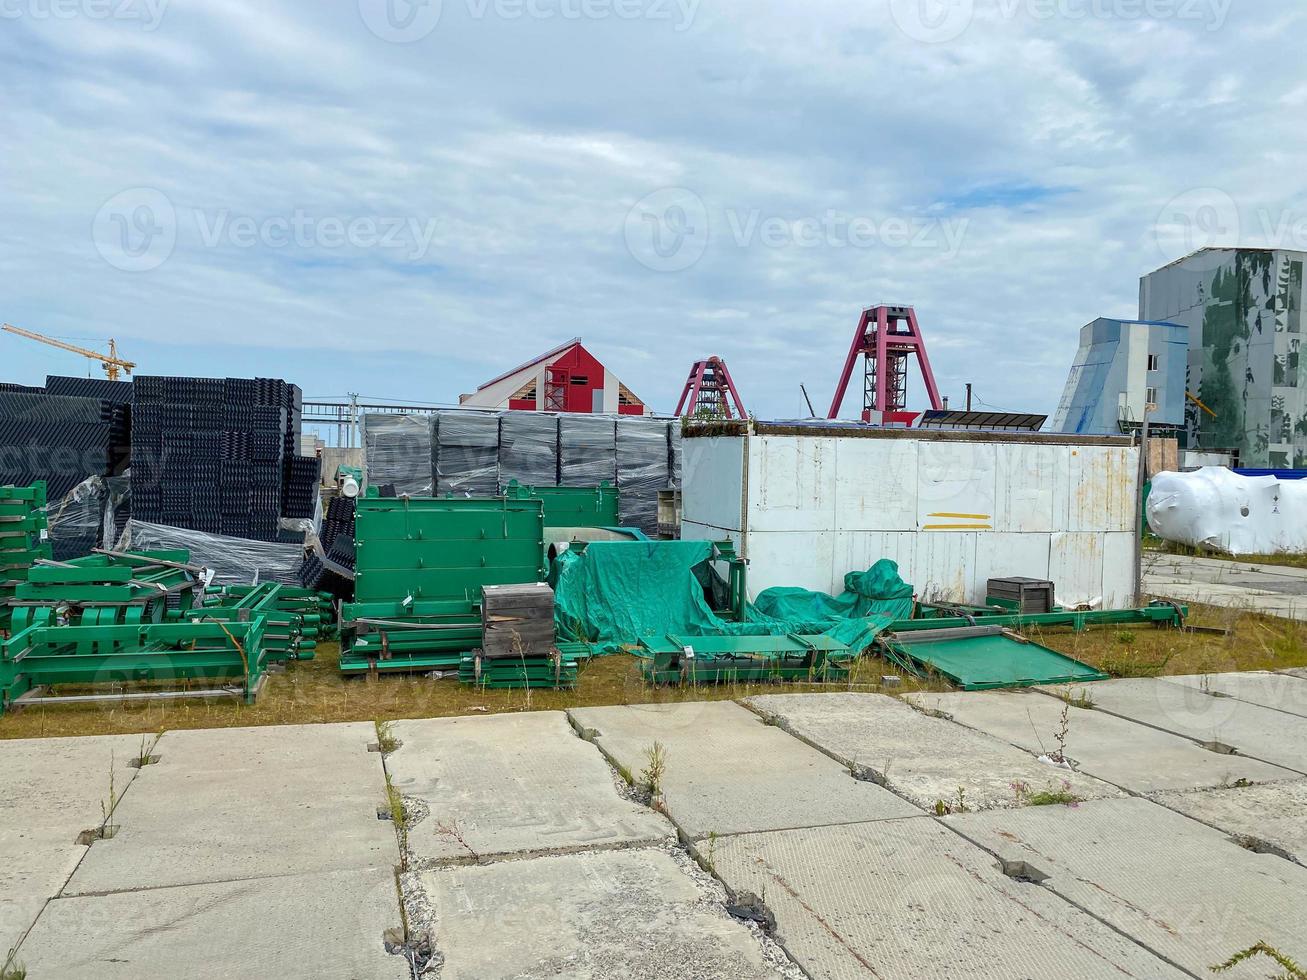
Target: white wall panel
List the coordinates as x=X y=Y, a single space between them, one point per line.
x=1076 y=567
x=803 y=559
x=955 y=483
x=876 y=484
x=1026 y=483
x=859 y=550
x=943 y=566
x=791 y=483
x=1118 y=570
x=1004 y=554
x=1102 y=484
x=712 y=474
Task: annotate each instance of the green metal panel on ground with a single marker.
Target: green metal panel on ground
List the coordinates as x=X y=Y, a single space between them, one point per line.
x=572 y=506
x=715 y=659
x=978 y=658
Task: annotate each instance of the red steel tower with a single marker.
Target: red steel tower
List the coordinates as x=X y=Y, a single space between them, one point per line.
x=709 y=390
x=887 y=337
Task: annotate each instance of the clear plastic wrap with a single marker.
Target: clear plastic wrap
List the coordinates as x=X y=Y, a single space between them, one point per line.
x=643 y=468
x=467 y=453
x=76 y=520
x=397 y=452
x=674 y=450
x=233 y=561
x=528 y=449
x=587 y=450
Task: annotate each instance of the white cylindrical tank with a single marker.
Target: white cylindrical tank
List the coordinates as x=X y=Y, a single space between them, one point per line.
x=1218 y=509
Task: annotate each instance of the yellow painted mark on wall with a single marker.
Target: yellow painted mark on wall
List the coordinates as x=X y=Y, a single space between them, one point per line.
x=967 y=517
x=957 y=527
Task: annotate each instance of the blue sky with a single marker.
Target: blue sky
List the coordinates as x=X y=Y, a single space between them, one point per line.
x=403 y=200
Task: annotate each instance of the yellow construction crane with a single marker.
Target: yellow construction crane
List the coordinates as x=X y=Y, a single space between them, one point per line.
x=111 y=362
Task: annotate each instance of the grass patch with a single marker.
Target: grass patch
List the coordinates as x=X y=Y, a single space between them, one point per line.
x=315 y=692
x=1048 y=796
x=1290 y=560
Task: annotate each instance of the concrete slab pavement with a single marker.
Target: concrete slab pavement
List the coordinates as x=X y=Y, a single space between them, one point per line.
x=1271 y=817
x=1250 y=729
x=1122 y=752
x=921 y=758
x=1179 y=888
x=727 y=772
x=590 y=916
x=910 y=899
x=228 y=804
x=327 y=925
x=1275 y=590
x=53 y=789
x=511 y=783
x=1283 y=692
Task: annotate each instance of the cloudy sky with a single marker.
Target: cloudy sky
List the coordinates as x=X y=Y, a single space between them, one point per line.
x=403 y=199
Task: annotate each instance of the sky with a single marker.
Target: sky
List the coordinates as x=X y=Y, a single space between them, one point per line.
x=403 y=199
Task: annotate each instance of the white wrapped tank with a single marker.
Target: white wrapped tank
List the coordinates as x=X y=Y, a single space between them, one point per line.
x=1218 y=509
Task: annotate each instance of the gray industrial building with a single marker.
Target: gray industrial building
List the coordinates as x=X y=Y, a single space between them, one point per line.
x=1243 y=308
x=1123 y=367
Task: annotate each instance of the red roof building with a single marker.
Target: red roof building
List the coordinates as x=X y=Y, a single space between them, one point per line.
x=566 y=379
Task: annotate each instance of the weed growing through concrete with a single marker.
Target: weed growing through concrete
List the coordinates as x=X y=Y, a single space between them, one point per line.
x=709 y=860
x=386 y=740
x=454 y=831
x=956 y=805
x=400 y=819
x=146 y=756
x=12 y=969
x=1058 y=755
x=1048 y=796
x=1082 y=700
x=1292 y=971
x=652 y=774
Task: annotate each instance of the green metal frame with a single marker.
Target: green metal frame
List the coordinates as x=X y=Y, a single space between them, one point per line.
x=930 y=617
x=23 y=542
x=420 y=565
x=43 y=656
x=290 y=632
x=572 y=506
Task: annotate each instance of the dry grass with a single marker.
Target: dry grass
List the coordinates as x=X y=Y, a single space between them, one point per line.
x=315 y=692
x=1172 y=548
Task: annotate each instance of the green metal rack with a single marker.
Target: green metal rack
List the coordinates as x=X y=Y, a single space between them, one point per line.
x=293 y=616
x=420 y=564
x=930 y=617
x=23 y=542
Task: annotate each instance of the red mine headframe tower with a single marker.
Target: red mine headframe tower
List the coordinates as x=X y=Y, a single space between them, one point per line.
x=887 y=337
x=709 y=390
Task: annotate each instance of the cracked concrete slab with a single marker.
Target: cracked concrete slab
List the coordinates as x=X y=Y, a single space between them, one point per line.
x=1283 y=692
x=910 y=899
x=727 y=772
x=1250 y=729
x=921 y=758
x=1179 y=888
x=1123 y=752
x=591 y=916
x=1270 y=817
x=511 y=783
x=325 y=926
x=232 y=803
x=53 y=789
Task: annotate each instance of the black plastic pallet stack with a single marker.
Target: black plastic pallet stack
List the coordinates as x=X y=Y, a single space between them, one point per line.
x=61 y=440
x=300 y=488
x=337 y=540
x=210 y=454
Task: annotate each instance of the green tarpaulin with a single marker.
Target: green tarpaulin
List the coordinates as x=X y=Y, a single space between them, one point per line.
x=614 y=592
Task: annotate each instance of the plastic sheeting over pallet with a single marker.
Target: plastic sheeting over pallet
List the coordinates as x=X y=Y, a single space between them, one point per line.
x=470 y=453
x=1224 y=511
x=804 y=504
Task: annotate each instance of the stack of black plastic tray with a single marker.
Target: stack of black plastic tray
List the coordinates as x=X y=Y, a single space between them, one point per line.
x=61 y=440
x=337 y=540
x=210 y=454
x=300 y=488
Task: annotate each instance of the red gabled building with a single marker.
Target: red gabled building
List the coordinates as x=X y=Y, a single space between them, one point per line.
x=566 y=379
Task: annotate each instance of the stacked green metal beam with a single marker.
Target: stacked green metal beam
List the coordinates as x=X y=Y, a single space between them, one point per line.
x=23 y=541
x=105 y=590
x=293 y=616
x=557 y=672
x=420 y=565
x=683 y=659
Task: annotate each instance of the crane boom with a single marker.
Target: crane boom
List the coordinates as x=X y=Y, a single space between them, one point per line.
x=111 y=362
